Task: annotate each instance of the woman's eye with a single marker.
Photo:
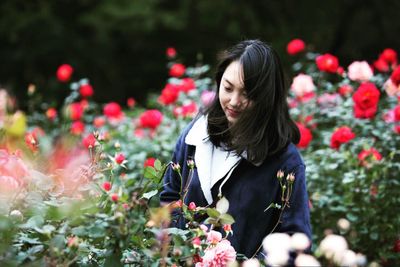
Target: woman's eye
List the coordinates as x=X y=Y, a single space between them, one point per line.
x=228 y=89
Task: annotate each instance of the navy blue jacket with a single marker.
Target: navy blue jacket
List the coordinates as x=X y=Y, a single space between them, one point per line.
x=249 y=190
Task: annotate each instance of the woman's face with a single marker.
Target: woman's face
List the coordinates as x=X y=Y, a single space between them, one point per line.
x=232 y=95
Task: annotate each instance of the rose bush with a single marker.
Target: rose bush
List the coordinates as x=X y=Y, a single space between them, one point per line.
x=352 y=160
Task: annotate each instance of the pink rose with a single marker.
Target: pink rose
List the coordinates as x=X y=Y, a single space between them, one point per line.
x=327 y=100
x=302 y=84
x=360 y=71
x=207 y=97
x=214 y=237
x=389 y=117
x=390 y=88
x=219 y=255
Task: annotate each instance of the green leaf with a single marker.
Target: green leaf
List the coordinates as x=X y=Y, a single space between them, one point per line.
x=46 y=229
x=226 y=219
x=26 y=239
x=157 y=165
x=213 y=213
x=35 y=221
x=211 y=221
x=58 y=241
x=79 y=231
x=150 y=194
x=150 y=173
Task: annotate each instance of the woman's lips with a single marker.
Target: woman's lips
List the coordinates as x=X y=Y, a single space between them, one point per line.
x=232 y=113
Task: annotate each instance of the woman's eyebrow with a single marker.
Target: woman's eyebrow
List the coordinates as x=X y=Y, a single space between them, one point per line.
x=231 y=84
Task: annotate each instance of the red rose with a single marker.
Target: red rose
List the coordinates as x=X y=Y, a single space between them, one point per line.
x=227 y=228
x=396 y=246
x=389 y=55
x=98 y=122
x=64 y=73
x=171 y=52
x=368 y=113
x=84 y=104
x=187 y=85
x=345 y=90
x=119 y=158
x=197 y=258
x=368 y=155
x=31 y=141
x=149 y=162
x=86 y=90
x=366 y=100
x=395 y=77
x=177 y=70
x=189 y=110
x=396 y=112
x=130 y=102
x=327 y=63
x=342 y=135
x=169 y=94
x=75 y=111
x=305 y=136
x=114 y=197
x=51 y=113
x=89 y=141
x=396 y=129
x=340 y=70
x=381 y=65
x=151 y=119
x=295 y=46
x=77 y=127
x=139 y=133
x=106 y=186
x=112 y=110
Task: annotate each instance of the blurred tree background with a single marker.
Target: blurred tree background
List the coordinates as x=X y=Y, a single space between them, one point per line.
x=120 y=45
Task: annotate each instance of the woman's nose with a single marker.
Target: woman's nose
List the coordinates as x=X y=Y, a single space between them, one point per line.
x=235 y=100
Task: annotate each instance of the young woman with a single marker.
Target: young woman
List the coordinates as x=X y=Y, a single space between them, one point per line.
x=239 y=144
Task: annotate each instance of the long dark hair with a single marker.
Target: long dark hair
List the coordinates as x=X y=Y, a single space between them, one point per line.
x=265 y=127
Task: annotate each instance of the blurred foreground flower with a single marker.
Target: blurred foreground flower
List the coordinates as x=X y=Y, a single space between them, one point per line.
x=14 y=173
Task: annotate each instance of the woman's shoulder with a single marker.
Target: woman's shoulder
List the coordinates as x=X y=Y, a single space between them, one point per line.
x=190 y=129
x=289 y=158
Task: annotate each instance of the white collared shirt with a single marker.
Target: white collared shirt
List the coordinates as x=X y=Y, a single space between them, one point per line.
x=213 y=163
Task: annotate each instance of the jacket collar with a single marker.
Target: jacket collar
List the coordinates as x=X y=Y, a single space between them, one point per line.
x=213 y=163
